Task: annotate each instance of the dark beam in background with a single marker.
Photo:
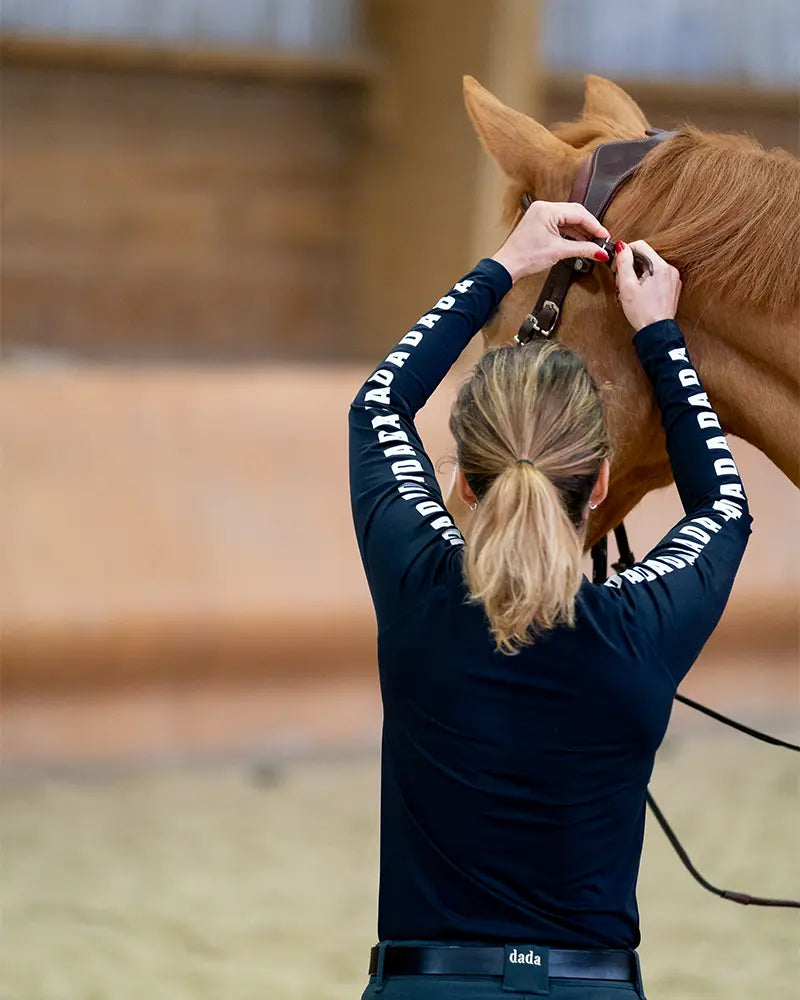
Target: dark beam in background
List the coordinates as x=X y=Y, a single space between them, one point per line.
x=426 y=202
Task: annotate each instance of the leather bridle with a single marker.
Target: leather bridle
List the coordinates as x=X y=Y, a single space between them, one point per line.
x=599 y=178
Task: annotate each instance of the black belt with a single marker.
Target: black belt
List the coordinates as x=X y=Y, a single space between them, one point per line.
x=479 y=960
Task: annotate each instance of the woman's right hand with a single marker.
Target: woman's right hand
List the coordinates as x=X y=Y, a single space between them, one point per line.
x=537 y=242
x=648 y=299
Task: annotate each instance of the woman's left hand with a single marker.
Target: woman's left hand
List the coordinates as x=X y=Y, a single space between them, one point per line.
x=537 y=242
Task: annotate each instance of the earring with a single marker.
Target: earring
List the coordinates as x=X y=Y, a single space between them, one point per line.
x=592 y=506
x=473 y=506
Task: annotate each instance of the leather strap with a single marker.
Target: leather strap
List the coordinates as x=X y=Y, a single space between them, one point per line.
x=600 y=555
x=596 y=183
x=543 y=320
x=609 y=166
x=479 y=960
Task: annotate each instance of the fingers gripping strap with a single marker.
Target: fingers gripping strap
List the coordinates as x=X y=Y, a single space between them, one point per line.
x=596 y=183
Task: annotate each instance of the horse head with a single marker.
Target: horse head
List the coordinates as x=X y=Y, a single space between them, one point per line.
x=678 y=221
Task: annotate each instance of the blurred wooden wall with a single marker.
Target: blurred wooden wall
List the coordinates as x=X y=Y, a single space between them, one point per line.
x=208 y=204
x=190 y=203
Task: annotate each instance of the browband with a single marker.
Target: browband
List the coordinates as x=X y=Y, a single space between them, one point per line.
x=599 y=178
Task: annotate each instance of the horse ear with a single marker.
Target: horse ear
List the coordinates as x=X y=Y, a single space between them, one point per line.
x=517 y=142
x=604 y=99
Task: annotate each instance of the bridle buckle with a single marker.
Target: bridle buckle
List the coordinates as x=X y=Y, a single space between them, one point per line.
x=547 y=331
x=531 y=325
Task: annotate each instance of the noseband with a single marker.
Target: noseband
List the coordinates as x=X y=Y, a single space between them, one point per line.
x=599 y=178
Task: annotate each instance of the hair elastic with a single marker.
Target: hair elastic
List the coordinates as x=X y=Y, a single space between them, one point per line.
x=527 y=461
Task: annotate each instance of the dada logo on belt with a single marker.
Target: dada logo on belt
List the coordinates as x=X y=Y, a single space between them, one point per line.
x=526 y=969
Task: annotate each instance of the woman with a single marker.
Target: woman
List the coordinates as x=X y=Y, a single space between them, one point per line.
x=523 y=706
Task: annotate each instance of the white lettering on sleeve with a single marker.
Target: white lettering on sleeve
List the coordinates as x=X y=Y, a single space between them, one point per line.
x=429 y=507
x=378 y=396
x=692 y=547
x=725 y=467
x=385 y=436
x=406 y=467
x=732 y=490
x=386 y=419
x=728 y=509
x=658 y=566
x=382 y=377
x=695 y=532
x=699 y=399
x=398 y=358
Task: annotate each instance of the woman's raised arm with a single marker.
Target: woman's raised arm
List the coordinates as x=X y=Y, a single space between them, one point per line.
x=678 y=592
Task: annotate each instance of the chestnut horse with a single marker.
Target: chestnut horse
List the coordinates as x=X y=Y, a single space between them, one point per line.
x=726 y=213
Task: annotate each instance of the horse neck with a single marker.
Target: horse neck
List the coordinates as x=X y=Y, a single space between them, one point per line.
x=749 y=360
x=750 y=366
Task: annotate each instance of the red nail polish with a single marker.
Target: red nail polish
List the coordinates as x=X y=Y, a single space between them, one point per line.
x=601 y=255
x=620 y=246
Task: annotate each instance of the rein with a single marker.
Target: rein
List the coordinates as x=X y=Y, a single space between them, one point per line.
x=599 y=178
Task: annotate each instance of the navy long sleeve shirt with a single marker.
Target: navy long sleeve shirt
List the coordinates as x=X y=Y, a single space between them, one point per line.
x=513 y=787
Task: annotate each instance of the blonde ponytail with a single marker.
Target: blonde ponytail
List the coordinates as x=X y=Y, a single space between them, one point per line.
x=531 y=439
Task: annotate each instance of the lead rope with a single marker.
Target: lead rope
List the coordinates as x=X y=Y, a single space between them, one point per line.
x=625 y=561
x=747 y=730
x=735 y=897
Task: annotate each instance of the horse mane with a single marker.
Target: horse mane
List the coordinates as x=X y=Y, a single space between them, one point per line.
x=726 y=213
x=721 y=208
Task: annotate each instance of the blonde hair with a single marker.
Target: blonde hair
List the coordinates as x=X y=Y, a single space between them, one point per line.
x=530 y=439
